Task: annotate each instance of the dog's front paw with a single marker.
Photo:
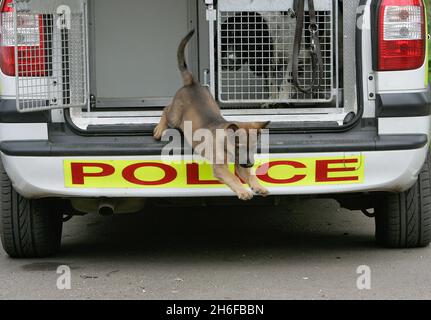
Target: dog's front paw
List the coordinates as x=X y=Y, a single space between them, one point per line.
x=245 y=195
x=158 y=132
x=261 y=191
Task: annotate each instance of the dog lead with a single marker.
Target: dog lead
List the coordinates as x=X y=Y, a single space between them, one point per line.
x=315 y=51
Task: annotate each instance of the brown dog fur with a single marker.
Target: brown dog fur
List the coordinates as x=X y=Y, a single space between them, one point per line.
x=194 y=103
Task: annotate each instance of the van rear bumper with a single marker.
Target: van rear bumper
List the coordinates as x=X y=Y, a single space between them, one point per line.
x=74 y=146
x=392 y=171
x=388 y=162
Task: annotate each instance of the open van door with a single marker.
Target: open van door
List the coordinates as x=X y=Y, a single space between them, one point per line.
x=48 y=44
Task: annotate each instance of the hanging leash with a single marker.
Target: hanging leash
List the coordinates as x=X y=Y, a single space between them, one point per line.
x=315 y=48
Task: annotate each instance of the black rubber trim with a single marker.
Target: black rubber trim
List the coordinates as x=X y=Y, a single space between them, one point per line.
x=395 y=105
x=375 y=20
x=147 y=129
x=9 y=114
x=124 y=129
x=146 y=146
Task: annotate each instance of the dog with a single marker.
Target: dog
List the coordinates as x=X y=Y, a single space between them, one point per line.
x=194 y=103
x=282 y=36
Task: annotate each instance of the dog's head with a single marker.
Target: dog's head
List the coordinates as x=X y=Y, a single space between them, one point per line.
x=242 y=141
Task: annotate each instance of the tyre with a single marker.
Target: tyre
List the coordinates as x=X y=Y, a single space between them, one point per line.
x=28 y=228
x=403 y=220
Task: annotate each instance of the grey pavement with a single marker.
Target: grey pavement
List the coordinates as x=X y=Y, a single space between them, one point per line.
x=305 y=249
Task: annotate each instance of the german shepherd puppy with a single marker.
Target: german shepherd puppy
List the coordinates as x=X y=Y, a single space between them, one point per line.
x=194 y=103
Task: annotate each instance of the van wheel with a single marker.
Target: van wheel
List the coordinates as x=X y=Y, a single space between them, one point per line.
x=403 y=220
x=28 y=228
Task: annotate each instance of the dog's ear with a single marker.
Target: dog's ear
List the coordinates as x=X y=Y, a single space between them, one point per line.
x=232 y=126
x=254 y=125
x=263 y=125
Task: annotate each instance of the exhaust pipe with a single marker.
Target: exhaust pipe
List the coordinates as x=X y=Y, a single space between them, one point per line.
x=106 y=208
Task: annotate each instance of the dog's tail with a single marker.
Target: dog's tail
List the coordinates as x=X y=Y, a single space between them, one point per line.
x=182 y=65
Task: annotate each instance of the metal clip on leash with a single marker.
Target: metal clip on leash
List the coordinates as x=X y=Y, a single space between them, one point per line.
x=315 y=50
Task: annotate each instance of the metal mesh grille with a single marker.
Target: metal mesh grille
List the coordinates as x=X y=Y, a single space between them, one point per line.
x=255 y=57
x=51 y=69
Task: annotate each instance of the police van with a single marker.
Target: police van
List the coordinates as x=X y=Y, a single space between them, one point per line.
x=84 y=82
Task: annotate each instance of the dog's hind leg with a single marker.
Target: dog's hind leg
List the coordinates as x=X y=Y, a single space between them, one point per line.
x=222 y=173
x=163 y=124
x=248 y=177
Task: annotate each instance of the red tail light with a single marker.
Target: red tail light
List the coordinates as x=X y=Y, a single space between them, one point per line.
x=31 y=43
x=402 y=38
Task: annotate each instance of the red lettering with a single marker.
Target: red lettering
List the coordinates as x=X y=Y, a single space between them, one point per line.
x=263 y=172
x=193 y=177
x=129 y=174
x=323 y=170
x=78 y=174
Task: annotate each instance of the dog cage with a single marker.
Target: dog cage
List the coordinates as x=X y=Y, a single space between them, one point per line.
x=253 y=57
x=244 y=54
x=49 y=43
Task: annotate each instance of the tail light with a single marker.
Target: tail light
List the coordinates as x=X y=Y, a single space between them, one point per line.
x=30 y=42
x=402 y=39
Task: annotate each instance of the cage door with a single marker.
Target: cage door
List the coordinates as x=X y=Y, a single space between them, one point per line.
x=255 y=41
x=50 y=42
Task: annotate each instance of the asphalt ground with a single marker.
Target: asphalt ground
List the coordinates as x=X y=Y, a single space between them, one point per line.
x=302 y=249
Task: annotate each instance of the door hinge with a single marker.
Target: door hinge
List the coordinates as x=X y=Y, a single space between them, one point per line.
x=93 y=101
x=371 y=86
